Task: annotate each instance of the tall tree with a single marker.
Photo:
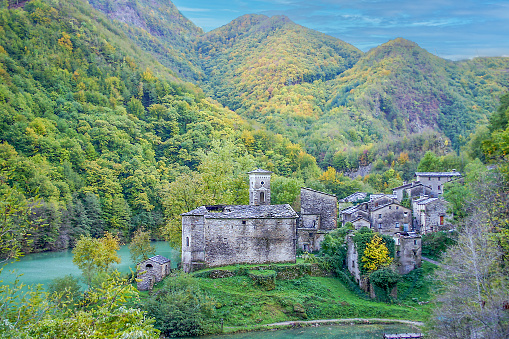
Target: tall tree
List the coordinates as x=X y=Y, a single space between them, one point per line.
x=95 y=256
x=140 y=247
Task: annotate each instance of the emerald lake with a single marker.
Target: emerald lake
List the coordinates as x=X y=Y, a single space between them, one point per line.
x=42 y=268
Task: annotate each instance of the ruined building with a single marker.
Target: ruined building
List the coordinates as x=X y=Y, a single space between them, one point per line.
x=152 y=271
x=318 y=216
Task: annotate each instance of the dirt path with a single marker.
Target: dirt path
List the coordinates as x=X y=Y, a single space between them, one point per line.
x=431 y=261
x=350 y=320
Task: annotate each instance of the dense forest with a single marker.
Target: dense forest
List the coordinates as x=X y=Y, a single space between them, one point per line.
x=117 y=116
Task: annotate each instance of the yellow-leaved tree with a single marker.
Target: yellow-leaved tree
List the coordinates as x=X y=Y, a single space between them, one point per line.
x=376 y=254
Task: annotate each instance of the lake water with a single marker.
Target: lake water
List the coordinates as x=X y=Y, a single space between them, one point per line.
x=42 y=268
x=374 y=331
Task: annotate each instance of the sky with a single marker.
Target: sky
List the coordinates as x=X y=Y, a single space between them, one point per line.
x=451 y=29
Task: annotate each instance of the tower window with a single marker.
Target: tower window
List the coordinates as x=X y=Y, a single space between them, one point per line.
x=187 y=241
x=262 y=197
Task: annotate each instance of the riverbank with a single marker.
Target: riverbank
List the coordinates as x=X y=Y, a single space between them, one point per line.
x=322 y=322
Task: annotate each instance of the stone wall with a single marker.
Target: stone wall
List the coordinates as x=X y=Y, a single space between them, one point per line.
x=150 y=273
x=391 y=219
x=352 y=259
x=193 y=242
x=408 y=253
x=309 y=240
x=433 y=212
x=236 y=241
x=318 y=203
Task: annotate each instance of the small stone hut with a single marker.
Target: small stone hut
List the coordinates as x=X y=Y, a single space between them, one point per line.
x=152 y=271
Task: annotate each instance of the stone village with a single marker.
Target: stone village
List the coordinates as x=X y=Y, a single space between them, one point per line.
x=259 y=233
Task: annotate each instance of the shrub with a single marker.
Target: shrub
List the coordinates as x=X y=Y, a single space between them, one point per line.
x=181 y=308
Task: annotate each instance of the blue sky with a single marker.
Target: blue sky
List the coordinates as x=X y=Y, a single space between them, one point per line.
x=451 y=29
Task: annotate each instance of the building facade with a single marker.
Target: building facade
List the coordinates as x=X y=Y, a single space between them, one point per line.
x=319 y=215
x=152 y=271
x=430 y=214
x=436 y=180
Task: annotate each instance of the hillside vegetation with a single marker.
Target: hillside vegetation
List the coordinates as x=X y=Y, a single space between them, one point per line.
x=94 y=129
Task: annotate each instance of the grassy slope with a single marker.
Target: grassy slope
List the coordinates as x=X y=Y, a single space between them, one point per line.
x=241 y=304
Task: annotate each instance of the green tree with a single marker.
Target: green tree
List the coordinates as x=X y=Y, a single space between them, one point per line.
x=429 y=163
x=95 y=256
x=140 y=247
x=181 y=308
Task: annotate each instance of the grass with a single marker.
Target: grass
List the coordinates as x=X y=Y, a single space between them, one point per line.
x=240 y=303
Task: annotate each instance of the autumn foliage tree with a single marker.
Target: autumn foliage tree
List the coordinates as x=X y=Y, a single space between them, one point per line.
x=376 y=254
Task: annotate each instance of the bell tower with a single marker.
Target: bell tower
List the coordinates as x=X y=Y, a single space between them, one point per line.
x=259 y=187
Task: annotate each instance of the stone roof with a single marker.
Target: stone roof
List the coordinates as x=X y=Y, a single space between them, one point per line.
x=349 y=210
x=312 y=190
x=259 y=171
x=360 y=217
x=425 y=201
x=411 y=185
x=244 y=212
x=438 y=174
x=385 y=205
x=159 y=259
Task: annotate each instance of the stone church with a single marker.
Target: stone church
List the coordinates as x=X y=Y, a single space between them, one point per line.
x=257 y=233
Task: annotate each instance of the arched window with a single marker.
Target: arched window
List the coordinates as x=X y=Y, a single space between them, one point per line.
x=148 y=266
x=187 y=241
x=262 y=197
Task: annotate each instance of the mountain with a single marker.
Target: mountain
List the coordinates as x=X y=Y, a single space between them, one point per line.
x=95 y=129
x=316 y=89
x=259 y=65
x=159 y=28
x=413 y=90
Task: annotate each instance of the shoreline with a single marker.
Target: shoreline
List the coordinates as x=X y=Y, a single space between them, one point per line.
x=319 y=322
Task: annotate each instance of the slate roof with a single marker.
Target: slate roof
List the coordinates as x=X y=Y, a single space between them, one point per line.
x=438 y=174
x=244 y=212
x=159 y=259
x=425 y=201
x=391 y=203
x=260 y=171
x=411 y=185
x=312 y=190
x=360 y=217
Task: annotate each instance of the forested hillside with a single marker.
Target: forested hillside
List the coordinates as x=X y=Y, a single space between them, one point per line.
x=93 y=130
x=324 y=93
x=101 y=132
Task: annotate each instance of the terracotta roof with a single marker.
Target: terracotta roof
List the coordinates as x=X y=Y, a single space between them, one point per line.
x=244 y=212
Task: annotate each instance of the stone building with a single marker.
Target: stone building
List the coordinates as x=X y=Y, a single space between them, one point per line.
x=318 y=216
x=430 y=214
x=257 y=233
x=259 y=187
x=360 y=222
x=354 y=197
x=407 y=257
x=436 y=180
x=382 y=214
x=413 y=190
x=408 y=251
x=391 y=218
x=152 y=271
